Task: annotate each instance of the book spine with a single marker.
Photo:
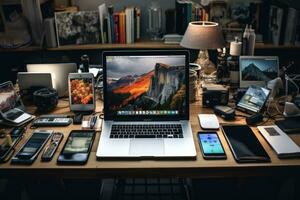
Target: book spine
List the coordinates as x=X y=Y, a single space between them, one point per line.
x=138 y=23
x=132 y=25
x=122 y=28
x=116 y=27
x=112 y=26
x=128 y=25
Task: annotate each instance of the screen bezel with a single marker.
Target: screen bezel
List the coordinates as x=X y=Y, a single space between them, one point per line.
x=81 y=107
x=71 y=135
x=108 y=116
x=245 y=109
x=212 y=155
x=245 y=84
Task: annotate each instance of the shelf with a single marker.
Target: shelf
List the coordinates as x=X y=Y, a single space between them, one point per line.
x=279 y=47
x=147 y=44
x=23 y=49
x=137 y=45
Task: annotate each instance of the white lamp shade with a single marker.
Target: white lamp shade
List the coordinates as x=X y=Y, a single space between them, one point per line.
x=203 y=35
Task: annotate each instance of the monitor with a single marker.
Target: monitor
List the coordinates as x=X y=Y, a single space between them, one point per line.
x=258 y=70
x=59 y=73
x=145 y=85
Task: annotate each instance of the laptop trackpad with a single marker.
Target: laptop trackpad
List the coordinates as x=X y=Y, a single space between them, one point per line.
x=147 y=147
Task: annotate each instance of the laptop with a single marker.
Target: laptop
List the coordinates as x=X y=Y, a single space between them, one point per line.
x=10 y=105
x=59 y=73
x=31 y=81
x=146 y=105
x=258 y=70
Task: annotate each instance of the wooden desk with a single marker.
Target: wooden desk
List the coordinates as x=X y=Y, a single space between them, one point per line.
x=154 y=168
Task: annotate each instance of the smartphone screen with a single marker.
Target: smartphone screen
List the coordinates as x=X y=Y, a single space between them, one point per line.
x=33 y=145
x=79 y=142
x=211 y=144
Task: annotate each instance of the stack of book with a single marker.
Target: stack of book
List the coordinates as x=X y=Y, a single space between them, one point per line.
x=119 y=27
x=187 y=11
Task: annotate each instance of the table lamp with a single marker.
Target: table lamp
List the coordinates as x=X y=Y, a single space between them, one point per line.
x=203 y=35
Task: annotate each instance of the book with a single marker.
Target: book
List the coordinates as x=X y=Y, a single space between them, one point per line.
x=138 y=23
x=170 y=21
x=103 y=12
x=111 y=18
x=122 y=25
x=129 y=25
x=116 y=17
x=180 y=16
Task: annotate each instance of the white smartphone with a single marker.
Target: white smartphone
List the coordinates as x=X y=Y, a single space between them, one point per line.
x=81 y=92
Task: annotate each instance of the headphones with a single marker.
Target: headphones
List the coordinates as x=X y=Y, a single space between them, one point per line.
x=45 y=99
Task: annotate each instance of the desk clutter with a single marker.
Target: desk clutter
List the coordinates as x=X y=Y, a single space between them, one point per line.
x=145 y=112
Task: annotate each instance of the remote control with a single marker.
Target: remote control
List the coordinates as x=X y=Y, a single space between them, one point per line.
x=52 y=147
x=51 y=121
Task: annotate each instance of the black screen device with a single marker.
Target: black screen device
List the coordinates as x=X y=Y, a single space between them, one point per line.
x=30 y=150
x=7 y=150
x=77 y=147
x=225 y=112
x=211 y=146
x=244 y=145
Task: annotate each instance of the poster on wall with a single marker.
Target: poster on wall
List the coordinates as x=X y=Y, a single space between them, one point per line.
x=77 y=27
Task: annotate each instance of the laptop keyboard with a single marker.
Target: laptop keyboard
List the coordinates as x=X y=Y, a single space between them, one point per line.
x=14 y=115
x=146 y=131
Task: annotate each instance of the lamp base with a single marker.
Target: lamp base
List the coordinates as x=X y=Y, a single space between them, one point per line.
x=206 y=65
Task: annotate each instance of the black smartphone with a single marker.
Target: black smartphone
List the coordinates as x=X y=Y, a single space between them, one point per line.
x=77 y=147
x=211 y=146
x=29 y=152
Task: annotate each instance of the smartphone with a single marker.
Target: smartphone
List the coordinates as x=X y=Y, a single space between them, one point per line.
x=211 y=146
x=77 y=147
x=30 y=150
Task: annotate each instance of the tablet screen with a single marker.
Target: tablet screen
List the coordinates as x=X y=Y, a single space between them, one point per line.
x=244 y=143
x=254 y=99
x=81 y=91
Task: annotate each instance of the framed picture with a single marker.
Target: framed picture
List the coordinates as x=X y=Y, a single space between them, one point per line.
x=77 y=27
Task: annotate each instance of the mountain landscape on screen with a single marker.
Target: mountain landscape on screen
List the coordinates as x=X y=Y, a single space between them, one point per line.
x=253 y=73
x=162 y=88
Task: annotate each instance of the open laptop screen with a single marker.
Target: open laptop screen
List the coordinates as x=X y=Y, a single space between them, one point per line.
x=258 y=70
x=145 y=85
x=8 y=97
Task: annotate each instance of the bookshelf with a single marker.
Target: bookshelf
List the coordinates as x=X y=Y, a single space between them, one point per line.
x=144 y=44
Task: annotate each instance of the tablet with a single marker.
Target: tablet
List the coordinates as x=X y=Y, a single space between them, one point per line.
x=81 y=92
x=244 y=145
x=77 y=147
x=254 y=99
